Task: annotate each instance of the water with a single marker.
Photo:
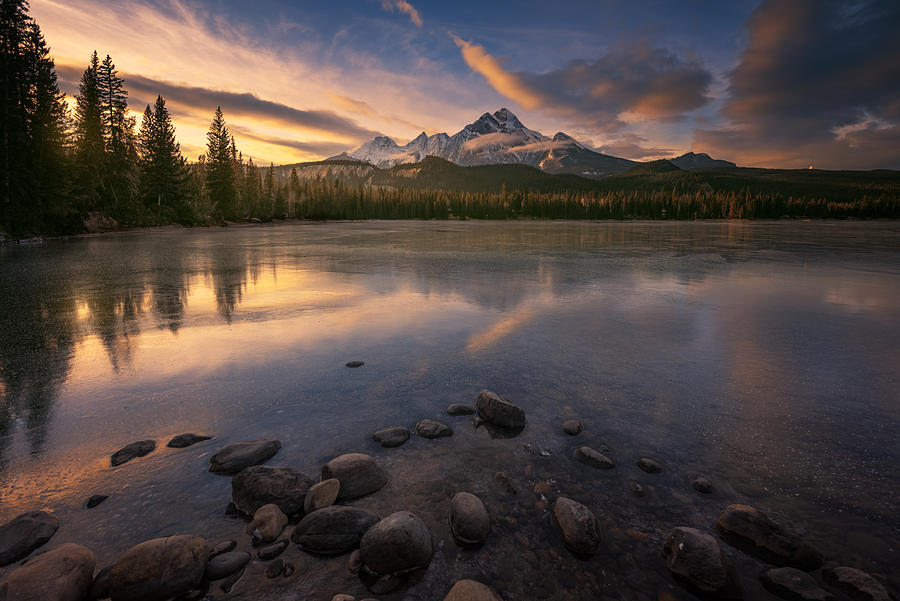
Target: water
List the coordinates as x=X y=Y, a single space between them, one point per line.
x=762 y=355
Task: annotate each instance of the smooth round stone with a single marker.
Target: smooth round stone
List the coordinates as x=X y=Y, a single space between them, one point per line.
x=696 y=557
x=499 y=411
x=61 y=574
x=702 y=485
x=226 y=564
x=261 y=485
x=272 y=551
x=343 y=597
x=460 y=409
x=129 y=452
x=223 y=546
x=589 y=456
x=572 y=427
x=185 y=440
x=321 y=495
x=399 y=543
x=470 y=590
x=158 y=569
x=334 y=530
x=649 y=465
x=391 y=437
x=239 y=455
x=753 y=532
x=856 y=584
x=469 y=519
x=358 y=473
x=431 y=428
x=25 y=533
x=794 y=585
x=577 y=526
x=267 y=522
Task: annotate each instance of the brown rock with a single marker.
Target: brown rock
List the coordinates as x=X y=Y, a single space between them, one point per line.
x=61 y=574
x=696 y=558
x=750 y=530
x=499 y=411
x=470 y=590
x=268 y=521
x=358 y=473
x=239 y=455
x=321 y=495
x=794 y=585
x=469 y=519
x=577 y=526
x=589 y=456
x=25 y=533
x=158 y=569
x=399 y=543
x=261 y=485
x=856 y=584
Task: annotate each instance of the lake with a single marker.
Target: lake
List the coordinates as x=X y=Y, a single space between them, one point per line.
x=764 y=356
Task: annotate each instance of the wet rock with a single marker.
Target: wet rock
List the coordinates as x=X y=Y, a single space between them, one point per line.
x=343 y=597
x=196 y=594
x=185 y=440
x=334 y=530
x=272 y=551
x=321 y=495
x=577 y=526
x=460 y=409
x=399 y=543
x=288 y=569
x=358 y=473
x=431 y=428
x=572 y=427
x=223 y=546
x=391 y=437
x=261 y=485
x=267 y=523
x=499 y=411
x=503 y=480
x=158 y=569
x=95 y=500
x=61 y=574
x=470 y=590
x=469 y=519
x=99 y=588
x=649 y=465
x=354 y=363
x=385 y=584
x=239 y=455
x=226 y=564
x=751 y=531
x=636 y=488
x=229 y=582
x=589 y=456
x=129 y=452
x=794 y=585
x=354 y=562
x=697 y=559
x=701 y=484
x=856 y=584
x=275 y=569
x=533 y=450
x=25 y=533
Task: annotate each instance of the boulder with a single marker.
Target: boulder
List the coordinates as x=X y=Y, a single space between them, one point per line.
x=460 y=409
x=158 y=569
x=469 y=519
x=25 y=533
x=589 y=456
x=794 y=585
x=751 y=531
x=572 y=427
x=391 y=437
x=577 y=526
x=185 y=440
x=470 y=590
x=702 y=485
x=697 y=559
x=649 y=465
x=432 y=428
x=856 y=584
x=358 y=473
x=61 y=574
x=261 y=485
x=334 y=530
x=499 y=411
x=399 y=543
x=267 y=523
x=239 y=455
x=226 y=564
x=321 y=495
x=129 y=452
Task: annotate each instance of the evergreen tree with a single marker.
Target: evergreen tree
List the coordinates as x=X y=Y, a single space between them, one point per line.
x=118 y=137
x=162 y=168
x=220 y=172
x=89 y=138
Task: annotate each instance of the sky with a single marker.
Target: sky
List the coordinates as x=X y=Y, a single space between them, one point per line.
x=771 y=83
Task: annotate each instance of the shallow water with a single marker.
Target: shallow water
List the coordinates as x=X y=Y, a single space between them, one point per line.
x=762 y=355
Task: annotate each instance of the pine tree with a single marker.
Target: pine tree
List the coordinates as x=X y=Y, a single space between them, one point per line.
x=118 y=137
x=89 y=142
x=162 y=168
x=220 y=176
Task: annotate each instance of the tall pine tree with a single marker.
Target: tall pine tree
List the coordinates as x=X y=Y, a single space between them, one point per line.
x=220 y=171
x=162 y=168
x=90 y=147
x=119 y=139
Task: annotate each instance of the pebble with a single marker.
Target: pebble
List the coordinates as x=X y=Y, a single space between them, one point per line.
x=132 y=451
x=649 y=465
x=572 y=427
x=272 y=551
x=432 y=428
x=589 y=456
x=391 y=437
x=460 y=409
x=274 y=569
x=702 y=485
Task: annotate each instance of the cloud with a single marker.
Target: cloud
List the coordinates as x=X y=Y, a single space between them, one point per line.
x=818 y=83
x=495 y=139
x=315 y=147
x=402 y=6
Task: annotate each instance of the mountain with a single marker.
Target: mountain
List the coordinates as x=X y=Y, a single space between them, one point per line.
x=652 y=168
x=700 y=160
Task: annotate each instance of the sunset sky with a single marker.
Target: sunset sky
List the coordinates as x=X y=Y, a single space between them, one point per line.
x=780 y=83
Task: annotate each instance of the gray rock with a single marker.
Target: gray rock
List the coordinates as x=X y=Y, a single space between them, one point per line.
x=321 y=495
x=267 y=523
x=589 y=456
x=61 y=574
x=239 y=455
x=751 y=531
x=431 y=428
x=460 y=409
x=358 y=473
x=696 y=558
x=25 y=533
x=226 y=564
x=469 y=519
x=649 y=465
x=261 y=485
x=334 y=530
x=794 y=585
x=391 y=437
x=275 y=569
x=399 y=543
x=856 y=584
x=572 y=427
x=272 y=551
x=577 y=526
x=499 y=411
x=95 y=500
x=470 y=590
x=158 y=569
x=185 y=440
x=702 y=485
x=129 y=452
x=223 y=546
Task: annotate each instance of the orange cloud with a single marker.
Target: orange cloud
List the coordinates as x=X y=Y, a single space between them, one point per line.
x=506 y=83
x=403 y=6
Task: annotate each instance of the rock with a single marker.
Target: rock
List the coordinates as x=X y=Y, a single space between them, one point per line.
x=226 y=564
x=358 y=473
x=499 y=411
x=288 y=569
x=354 y=363
x=129 y=452
x=470 y=590
x=503 y=480
x=343 y=597
x=222 y=547
x=399 y=543
x=196 y=594
x=391 y=437
x=589 y=456
x=701 y=484
x=239 y=455
x=268 y=521
x=185 y=440
x=261 y=485
x=158 y=569
x=229 y=582
x=577 y=526
x=61 y=574
x=460 y=409
x=431 y=428
x=469 y=519
x=750 y=530
x=334 y=530
x=321 y=495
x=95 y=500
x=696 y=558
x=272 y=551
x=354 y=562
x=794 y=585
x=636 y=488
x=572 y=427
x=856 y=584
x=385 y=584
x=648 y=465
x=275 y=569
x=100 y=586
x=25 y=533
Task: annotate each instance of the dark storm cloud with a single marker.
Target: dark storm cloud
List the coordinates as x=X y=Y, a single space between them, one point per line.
x=819 y=83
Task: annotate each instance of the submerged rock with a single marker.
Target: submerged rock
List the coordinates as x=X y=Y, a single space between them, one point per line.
x=185 y=440
x=399 y=543
x=354 y=363
x=334 y=530
x=499 y=411
x=261 y=485
x=572 y=427
x=272 y=551
x=649 y=465
x=702 y=485
x=321 y=495
x=391 y=437
x=158 y=569
x=856 y=584
x=696 y=558
x=432 y=428
x=751 y=531
x=794 y=585
x=240 y=455
x=577 y=526
x=589 y=456
x=61 y=574
x=470 y=590
x=275 y=569
x=469 y=519
x=95 y=500
x=226 y=564
x=25 y=533
x=267 y=523
x=460 y=409
x=358 y=473
x=129 y=452
x=636 y=488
